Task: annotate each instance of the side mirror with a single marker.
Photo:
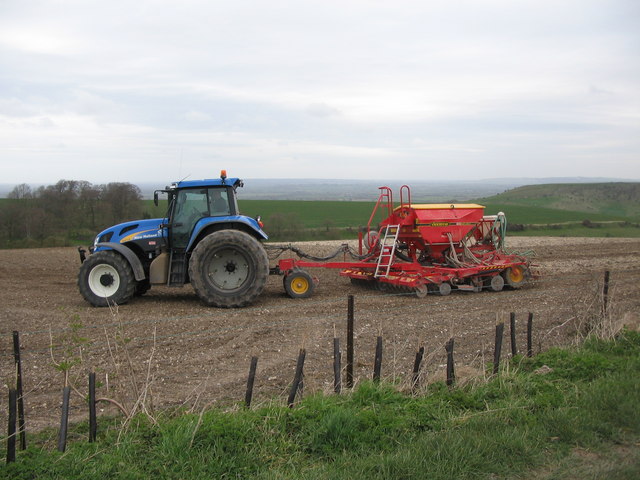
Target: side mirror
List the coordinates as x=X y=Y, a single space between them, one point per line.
x=155 y=198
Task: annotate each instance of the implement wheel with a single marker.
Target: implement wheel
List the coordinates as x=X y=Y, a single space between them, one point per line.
x=514 y=276
x=444 y=289
x=496 y=283
x=228 y=268
x=421 y=291
x=298 y=284
x=106 y=278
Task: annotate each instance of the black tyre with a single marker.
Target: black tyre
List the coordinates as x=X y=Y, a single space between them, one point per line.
x=228 y=268
x=106 y=278
x=299 y=284
x=515 y=276
x=142 y=287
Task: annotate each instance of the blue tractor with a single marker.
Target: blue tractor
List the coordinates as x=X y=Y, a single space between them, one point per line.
x=203 y=240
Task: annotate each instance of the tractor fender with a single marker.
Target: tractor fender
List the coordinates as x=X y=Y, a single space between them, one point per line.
x=205 y=222
x=132 y=258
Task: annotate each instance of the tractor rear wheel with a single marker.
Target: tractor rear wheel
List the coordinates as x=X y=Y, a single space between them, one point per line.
x=514 y=276
x=228 y=268
x=106 y=278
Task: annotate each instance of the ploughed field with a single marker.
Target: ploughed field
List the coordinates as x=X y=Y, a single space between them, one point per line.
x=170 y=347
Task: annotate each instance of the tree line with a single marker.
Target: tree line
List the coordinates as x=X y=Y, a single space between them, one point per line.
x=68 y=212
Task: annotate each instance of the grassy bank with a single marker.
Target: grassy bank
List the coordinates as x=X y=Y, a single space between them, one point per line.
x=545 y=417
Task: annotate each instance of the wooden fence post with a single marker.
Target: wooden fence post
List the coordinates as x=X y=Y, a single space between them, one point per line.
x=93 y=421
x=64 y=421
x=605 y=293
x=18 y=364
x=350 y=322
x=451 y=377
x=416 y=369
x=337 y=366
x=377 y=365
x=11 y=430
x=512 y=331
x=250 y=381
x=297 y=380
x=530 y=335
x=498 y=347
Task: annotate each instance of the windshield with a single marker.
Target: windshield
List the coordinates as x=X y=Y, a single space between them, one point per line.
x=193 y=204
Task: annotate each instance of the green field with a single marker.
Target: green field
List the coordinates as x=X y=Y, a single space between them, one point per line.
x=338 y=216
x=315 y=214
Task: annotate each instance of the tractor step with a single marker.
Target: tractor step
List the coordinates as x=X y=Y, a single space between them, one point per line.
x=177 y=268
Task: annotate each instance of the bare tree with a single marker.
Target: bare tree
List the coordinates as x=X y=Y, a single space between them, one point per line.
x=123 y=201
x=89 y=197
x=21 y=192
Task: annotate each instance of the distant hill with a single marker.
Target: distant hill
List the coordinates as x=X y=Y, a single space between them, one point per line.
x=367 y=190
x=425 y=191
x=620 y=199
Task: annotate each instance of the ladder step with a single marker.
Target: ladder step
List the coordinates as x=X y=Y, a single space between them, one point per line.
x=387 y=250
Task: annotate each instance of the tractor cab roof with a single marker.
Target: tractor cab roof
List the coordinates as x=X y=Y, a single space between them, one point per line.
x=211 y=182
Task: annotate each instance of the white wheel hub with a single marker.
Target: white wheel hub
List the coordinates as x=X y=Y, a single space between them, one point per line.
x=104 y=280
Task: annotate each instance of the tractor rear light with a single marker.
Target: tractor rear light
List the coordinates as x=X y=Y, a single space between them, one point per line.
x=259 y=220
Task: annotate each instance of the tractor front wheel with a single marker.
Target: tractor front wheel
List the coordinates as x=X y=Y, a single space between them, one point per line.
x=106 y=278
x=228 y=268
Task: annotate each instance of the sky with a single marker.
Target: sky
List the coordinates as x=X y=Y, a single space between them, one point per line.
x=423 y=90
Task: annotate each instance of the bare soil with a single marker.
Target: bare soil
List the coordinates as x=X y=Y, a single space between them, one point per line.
x=180 y=352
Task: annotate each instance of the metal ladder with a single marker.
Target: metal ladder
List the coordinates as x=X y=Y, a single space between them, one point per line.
x=387 y=251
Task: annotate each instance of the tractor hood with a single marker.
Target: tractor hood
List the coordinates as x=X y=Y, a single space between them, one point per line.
x=149 y=229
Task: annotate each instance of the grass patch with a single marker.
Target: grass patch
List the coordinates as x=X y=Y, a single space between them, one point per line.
x=519 y=424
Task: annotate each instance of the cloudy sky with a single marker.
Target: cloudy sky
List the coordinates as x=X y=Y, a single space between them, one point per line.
x=464 y=89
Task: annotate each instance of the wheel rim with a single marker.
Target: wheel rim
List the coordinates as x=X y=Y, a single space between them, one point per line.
x=104 y=280
x=299 y=285
x=516 y=274
x=228 y=269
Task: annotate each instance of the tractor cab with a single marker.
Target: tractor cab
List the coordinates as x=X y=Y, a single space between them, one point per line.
x=196 y=209
x=191 y=202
